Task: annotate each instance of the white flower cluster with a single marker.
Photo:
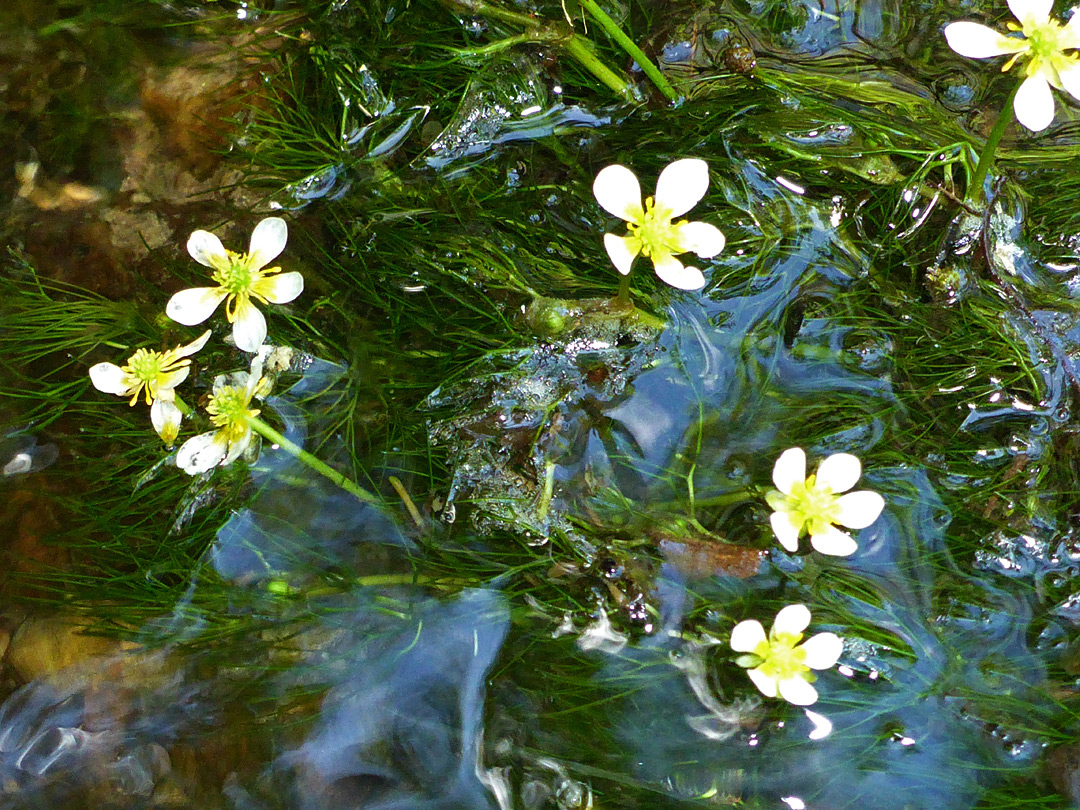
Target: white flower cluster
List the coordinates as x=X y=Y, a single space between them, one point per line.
x=241 y=279
x=779 y=663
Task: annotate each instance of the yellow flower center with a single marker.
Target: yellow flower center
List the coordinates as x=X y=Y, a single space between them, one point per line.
x=813 y=506
x=655 y=230
x=780 y=657
x=229 y=412
x=1043 y=47
x=236 y=276
x=148 y=369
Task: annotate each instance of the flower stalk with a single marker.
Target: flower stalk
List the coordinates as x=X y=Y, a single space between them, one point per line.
x=631 y=48
x=558 y=33
x=259 y=426
x=975 y=191
x=578 y=47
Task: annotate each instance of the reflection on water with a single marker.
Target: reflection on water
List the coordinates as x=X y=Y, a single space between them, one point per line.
x=394 y=717
x=22 y=454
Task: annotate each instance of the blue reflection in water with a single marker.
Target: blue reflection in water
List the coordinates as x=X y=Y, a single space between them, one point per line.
x=403 y=727
x=300 y=523
x=908 y=731
x=400 y=723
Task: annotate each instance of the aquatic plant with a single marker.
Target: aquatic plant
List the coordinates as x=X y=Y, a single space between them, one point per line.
x=653 y=234
x=778 y=664
x=231 y=413
x=625 y=463
x=240 y=279
x=1041 y=48
x=812 y=504
x=156 y=374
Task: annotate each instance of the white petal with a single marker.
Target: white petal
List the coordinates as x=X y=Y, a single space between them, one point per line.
x=834 y=542
x=822 y=650
x=279 y=289
x=622 y=250
x=166 y=417
x=786 y=530
x=1038 y=11
x=194 y=346
x=205 y=248
x=681 y=185
x=267 y=241
x=859 y=509
x=109 y=379
x=979 y=42
x=191 y=307
x=765 y=683
x=200 y=453
x=789 y=469
x=251 y=382
x=237 y=448
x=249 y=327
x=702 y=238
x=792 y=619
x=617 y=190
x=839 y=472
x=1070 y=77
x=745 y=636
x=1034 y=103
x=671 y=271
x=797 y=691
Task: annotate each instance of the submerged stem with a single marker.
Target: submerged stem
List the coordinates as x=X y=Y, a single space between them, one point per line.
x=182 y=406
x=631 y=48
x=321 y=467
x=578 y=47
x=536 y=30
x=622 y=299
x=986 y=157
x=739 y=496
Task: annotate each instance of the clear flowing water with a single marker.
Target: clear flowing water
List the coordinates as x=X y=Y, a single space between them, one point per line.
x=551 y=628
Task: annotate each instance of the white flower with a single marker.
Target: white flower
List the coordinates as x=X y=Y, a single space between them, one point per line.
x=812 y=503
x=1043 y=45
x=652 y=233
x=230 y=411
x=778 y=663
x=240 y=278
x=155 y=373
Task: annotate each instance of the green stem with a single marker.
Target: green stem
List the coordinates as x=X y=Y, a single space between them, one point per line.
x=546 y=493
x=282 y=587
x=628 y=45
x=986 y=157
x=183 y=407
x=494 y=47
x=486 y=9
x=622 y=299
x=579 y=48
x=726 y=500
x=321 y=467
x=541 y=31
